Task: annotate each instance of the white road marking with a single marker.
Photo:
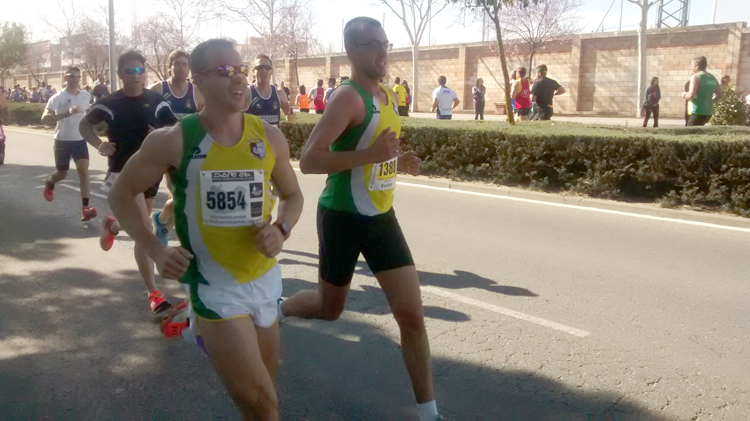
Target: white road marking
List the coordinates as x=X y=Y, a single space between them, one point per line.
x=507 y=312
x=39 y=132
x=586 y=208
x=77 y=189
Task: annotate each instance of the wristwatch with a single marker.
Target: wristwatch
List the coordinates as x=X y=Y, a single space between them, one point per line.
x=285 y=229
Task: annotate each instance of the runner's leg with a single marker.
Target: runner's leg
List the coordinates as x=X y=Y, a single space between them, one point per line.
x=145 y=264
x=236 y=349
x=82 y=166
x=327 y=303
x=401 y=288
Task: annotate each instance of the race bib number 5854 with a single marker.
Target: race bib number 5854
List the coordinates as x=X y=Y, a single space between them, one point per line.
x=232 y=198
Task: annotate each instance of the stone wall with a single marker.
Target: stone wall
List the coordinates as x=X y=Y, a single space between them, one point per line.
x=599 y=71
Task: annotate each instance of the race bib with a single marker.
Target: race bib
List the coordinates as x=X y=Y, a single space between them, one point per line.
x=383 y=176
x=232 y=198
x=107 y=184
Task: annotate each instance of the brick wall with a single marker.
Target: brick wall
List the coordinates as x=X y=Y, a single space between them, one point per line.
x=599 y=71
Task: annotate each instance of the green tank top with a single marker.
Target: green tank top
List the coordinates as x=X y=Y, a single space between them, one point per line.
x=703 y=103
x=366 y=190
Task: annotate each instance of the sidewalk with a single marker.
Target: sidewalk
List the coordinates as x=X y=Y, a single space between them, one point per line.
x=614 y=121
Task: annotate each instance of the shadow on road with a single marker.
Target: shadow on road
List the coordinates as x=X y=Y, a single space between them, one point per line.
x=458 y=280
x=79 y=344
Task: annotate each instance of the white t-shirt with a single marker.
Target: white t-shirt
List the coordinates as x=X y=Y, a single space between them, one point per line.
x=61 y=103
x=445 y=97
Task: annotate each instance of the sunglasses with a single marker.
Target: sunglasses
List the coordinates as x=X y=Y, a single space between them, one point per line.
x=71 y=75
x=134 y=70
x=228 y=70
x=263 y=67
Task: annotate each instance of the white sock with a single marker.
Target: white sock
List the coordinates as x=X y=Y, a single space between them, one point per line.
x=427 y=411
x=281 y=315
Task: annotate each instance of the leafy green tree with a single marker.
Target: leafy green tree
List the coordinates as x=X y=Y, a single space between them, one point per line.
x=12 y=47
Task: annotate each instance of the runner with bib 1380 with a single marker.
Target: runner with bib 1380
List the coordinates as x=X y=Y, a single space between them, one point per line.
x=356 y=143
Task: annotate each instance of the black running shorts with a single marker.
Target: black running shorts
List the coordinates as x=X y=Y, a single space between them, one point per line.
x=523 y=112
x=698 y=120
x=67 y=149
x=342 y=236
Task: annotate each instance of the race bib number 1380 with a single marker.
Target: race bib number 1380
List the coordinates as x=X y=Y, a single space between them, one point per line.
x=383 y=175
x=232 y=198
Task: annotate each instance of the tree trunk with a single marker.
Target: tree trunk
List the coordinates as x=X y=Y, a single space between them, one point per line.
x=642 y=57
x=506 y=76
x=531 y=63
x=415 y=78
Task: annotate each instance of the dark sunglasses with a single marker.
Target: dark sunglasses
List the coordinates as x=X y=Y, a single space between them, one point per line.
x=263 y=67
x=72 y=75
x=228 y=70
x=134 y=70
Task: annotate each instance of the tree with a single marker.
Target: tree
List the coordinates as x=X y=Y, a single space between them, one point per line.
x=186 y=16
x=263 y=16
x=156 y=37
x=642 y=28
x=295 y=37
x=542 y=22
x=88 y=48
x=37 y=60
x=12 y=47
x=419 y=13
x=492 y=10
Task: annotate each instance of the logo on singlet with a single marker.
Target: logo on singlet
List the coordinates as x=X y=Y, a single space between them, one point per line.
x=257 y=148
x=197 y=154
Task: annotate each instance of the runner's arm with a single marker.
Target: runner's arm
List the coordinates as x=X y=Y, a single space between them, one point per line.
x=49 y=116
x=693 y=89
x=285 y=107
x=346 y=109
x=284 y=178
x=560 y=91
x=718 y=93
x=86 y=127
x=513 y=88
x=160 y=151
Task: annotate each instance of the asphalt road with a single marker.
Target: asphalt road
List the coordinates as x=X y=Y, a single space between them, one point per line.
x=533 y=311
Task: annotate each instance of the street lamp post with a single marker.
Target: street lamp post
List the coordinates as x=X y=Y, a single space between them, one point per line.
x=112 y=48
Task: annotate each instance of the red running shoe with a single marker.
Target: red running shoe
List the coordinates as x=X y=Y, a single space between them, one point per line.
x=178 y=319
x=108 y=238
x=158 y=303
x=87 y=213
x=49 y=193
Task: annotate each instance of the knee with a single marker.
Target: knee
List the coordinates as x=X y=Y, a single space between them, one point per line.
x=409 y=316
x=257 y=403
x=61 y=174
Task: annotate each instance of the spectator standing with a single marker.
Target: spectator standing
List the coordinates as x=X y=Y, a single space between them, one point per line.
x=651 y=105
x=405 y=84
x=521 y=94
x=513 y=79
x=478 y=92
x=542 y=93
x=317 y=95
x=16 y=95
x=34 y=95
x=400 y=90
x=444 y=100
x=286 y=90
x=703 y=93
x=331 y=88
x=100 y=89
x=303 y=102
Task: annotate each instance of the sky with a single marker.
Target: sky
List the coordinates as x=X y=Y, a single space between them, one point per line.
x=447 y=28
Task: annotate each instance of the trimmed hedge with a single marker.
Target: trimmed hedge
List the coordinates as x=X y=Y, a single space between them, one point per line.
x=25 y=114
x=706 y=167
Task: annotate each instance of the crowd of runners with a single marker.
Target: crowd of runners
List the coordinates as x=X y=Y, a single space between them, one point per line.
x=228 y=169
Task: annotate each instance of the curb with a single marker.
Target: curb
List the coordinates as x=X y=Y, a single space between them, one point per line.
x=582 y=202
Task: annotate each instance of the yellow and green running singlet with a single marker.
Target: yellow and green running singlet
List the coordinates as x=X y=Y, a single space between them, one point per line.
x=219 y=194
x=366 y=190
